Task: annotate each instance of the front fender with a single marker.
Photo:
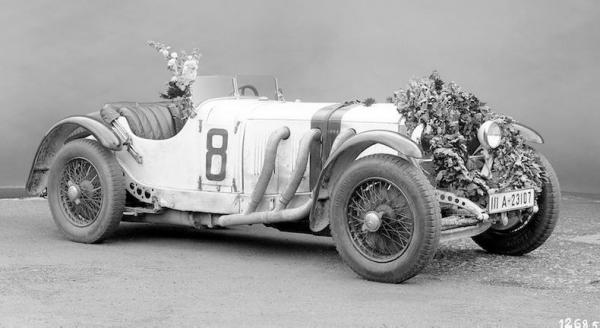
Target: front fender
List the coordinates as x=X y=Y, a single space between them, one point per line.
x=343 y=156
x=528 y=133
x=56 y=137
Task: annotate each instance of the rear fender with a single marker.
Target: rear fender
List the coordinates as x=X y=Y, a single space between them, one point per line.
x=70 y=128
x=343 y=156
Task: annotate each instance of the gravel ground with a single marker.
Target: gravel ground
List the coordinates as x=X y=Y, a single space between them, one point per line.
x=158 y=276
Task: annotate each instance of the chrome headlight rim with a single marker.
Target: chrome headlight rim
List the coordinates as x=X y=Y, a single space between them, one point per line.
x=490 y=134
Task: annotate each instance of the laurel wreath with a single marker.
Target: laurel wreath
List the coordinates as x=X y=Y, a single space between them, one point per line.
x=451 y=117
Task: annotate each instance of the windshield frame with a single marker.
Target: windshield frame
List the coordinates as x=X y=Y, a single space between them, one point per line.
x=275 y=96
x=235 y=91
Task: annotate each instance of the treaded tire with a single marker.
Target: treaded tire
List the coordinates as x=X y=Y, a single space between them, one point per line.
x=526 y=238
x=112 y=192
x=422 y=203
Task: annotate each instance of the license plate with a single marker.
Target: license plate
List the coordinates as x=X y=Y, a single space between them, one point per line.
x=512 y=200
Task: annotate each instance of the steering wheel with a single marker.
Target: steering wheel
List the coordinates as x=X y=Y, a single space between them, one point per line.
x=248 y=86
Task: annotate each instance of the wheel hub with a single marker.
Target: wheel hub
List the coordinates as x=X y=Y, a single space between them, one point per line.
x=74 y=193
x=372 y=221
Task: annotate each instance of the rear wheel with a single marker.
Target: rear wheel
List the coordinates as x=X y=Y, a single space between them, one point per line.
x=385 y=218
x=86 y=191
x=527 y=233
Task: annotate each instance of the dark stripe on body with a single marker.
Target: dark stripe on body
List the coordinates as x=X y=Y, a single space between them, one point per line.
x=333 y=129
x=319 y=121
x=329 y=121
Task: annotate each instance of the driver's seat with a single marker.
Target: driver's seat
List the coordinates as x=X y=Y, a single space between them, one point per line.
x=156 y=120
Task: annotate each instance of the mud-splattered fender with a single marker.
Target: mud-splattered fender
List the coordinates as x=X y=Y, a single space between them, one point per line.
x=67 y=129
x=343 y=156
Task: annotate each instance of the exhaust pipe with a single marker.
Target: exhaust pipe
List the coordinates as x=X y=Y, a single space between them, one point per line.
x=300 y=165
x=267 y=217
x=268 y=167
x=279 y=214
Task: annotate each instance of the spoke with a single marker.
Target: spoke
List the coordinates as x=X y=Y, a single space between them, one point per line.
x=393 y=239
x=400 y=223
x=95 y=207
x=76 y=172
x=89 y=213
x=88 y=171
x=394 y=233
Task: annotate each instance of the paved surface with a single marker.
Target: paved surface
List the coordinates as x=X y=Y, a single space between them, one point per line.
x=154 y=276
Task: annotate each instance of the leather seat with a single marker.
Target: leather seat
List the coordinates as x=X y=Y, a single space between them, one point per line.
x=157 y=120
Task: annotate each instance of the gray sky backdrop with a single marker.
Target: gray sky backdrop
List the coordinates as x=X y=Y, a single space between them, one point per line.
x=535 y=60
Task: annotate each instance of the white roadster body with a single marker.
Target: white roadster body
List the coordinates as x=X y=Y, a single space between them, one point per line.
x=348 y=169
x=192 y=178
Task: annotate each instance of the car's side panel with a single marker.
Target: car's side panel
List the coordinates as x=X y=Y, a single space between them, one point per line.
x=222 y=131
x=197 y=169
x=258 y=127
x=213 y=163
x=169 y=163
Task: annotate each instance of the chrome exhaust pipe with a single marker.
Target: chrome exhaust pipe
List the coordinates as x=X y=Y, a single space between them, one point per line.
x=268 y=167
x=280 y=214
x=267 y=217
x=300 y=165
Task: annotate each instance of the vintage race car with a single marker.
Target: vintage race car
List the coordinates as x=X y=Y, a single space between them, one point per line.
x=247 y=156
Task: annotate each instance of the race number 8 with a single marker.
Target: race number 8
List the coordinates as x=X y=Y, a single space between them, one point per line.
x=220 y=151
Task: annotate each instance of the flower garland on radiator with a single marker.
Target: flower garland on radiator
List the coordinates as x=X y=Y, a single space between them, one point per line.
x=452 y=117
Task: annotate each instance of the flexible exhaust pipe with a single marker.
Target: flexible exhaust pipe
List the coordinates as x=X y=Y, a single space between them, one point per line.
x=267 y=217
x=283 y=215
x=268 y=167
x=301 y=161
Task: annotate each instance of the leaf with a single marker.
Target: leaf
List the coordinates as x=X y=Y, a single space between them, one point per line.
x=453 y=116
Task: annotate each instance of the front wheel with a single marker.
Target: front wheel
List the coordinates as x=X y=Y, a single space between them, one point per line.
x=385 y=219
x=86 y=191
x=527 y=233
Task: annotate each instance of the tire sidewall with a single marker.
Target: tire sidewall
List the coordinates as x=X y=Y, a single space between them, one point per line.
x=87 y=150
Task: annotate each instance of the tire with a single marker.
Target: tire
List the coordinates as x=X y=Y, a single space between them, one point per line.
x=527 y=236
x=86 y=191
x=409 y=218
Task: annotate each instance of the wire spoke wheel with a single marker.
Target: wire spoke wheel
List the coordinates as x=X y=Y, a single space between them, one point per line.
x=86 y=191
x=80 y=192
x=380 y=220
x=525 y=234
x=385 y=219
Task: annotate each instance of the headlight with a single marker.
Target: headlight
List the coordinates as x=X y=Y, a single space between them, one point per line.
x=489 y=134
